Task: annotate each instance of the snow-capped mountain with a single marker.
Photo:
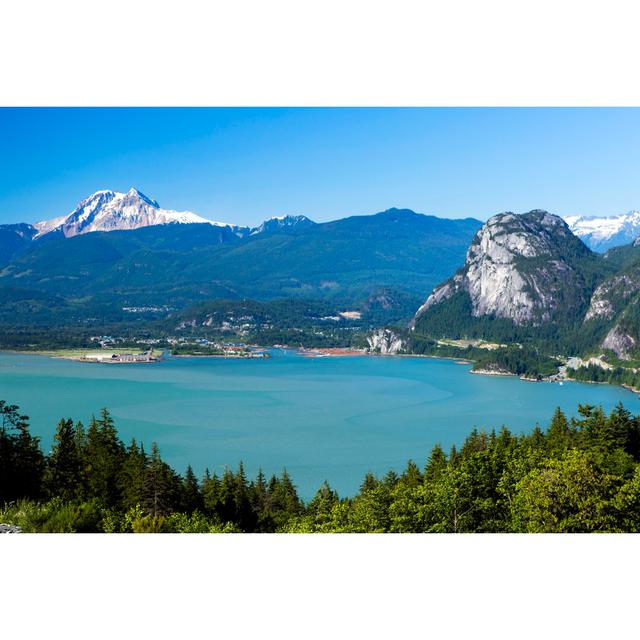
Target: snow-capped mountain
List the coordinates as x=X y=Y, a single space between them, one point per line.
x=114 y=211
x=282 y=222
x=603 y=233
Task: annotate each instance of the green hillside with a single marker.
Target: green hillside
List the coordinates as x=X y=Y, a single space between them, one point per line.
x=178 y=265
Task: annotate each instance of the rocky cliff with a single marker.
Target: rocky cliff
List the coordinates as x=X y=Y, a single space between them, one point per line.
x=616 y=303
x=526 y=268
x=385 y=341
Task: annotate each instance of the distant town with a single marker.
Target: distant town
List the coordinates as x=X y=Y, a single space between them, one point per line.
x=117 y=350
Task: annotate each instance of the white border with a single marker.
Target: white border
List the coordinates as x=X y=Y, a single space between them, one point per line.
x=318 y=53
x=322 y=586
x=330 y=52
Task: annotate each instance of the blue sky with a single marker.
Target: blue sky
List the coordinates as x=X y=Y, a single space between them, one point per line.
x=244 y=165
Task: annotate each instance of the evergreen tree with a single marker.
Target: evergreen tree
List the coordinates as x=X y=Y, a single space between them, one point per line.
x=320 y=510
x=64 y=476
x=369 y=483
x=390 y=479
x=243 y=513
x=412 y=476
x=22 y=463
x=620 y=431
x=581 y=475
x=131 y=480
x=157 y=487
x=559 y=433
x=369 y=511
x=211 y=495
x=226 y=506
x=191 y=497
x=283 y=499
x=259 y=498
x=436 y=464
x=104 y=455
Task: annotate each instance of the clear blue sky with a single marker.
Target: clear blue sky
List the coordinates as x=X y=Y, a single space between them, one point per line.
x=244 y=165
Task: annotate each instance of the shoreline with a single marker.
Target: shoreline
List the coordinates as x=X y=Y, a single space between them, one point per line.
x=227 y=356
x=330 y=352
x=320 y=352
x=75 y=357
x=489 y=372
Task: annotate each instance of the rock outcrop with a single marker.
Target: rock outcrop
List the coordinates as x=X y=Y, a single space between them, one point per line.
x=385 y=341
x=616 y=305
x=620 y=342
x=520 y=267
x=612 y=295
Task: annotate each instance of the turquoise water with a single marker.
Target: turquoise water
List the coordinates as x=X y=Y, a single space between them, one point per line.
x=321 y=418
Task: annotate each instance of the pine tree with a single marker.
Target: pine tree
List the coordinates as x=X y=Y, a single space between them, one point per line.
x=436 y=464
x=226 y=506
x=211 y=495
x=412 y=476
x=390 y=479
x=259 y=499
x=22 y=463
x=284 y=499
x=592 y=428
x=369 y=483
x=243 y=516
x=618 y=431
x=191 y=497
x=559 y=432
x=132 y=476
x=321 y=506
x=104 y=455
x=64 y=476
x=156 y=492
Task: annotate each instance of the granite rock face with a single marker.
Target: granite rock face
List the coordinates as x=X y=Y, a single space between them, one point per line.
x=385 y=341
x=518 y=267
x=612 y=294
x=620 y=342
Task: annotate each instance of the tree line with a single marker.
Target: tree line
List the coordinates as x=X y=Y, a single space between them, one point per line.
x=577 y=475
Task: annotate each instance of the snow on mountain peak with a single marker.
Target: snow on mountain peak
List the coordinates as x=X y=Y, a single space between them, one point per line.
x=603 y=233
x=136 y=193
x=108 y=210
x=276 y=223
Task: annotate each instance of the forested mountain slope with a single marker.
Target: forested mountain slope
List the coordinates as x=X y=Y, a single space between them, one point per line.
x=528 y=279
x=179 y=264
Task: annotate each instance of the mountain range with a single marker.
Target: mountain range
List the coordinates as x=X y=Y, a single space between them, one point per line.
x=528 y=279
x=604 y=233
x=126 y=249
x=518 y=278
x=108 y=210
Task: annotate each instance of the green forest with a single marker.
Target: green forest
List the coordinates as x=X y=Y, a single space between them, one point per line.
x=618 y=375
x=576 y=475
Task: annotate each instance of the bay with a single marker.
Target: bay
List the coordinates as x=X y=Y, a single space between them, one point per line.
x=320 y=418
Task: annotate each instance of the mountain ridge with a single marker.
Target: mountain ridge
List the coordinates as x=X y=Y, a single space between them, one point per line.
x=521 y=284
x=108 y=210
x=601 y=233
x=294 y=257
